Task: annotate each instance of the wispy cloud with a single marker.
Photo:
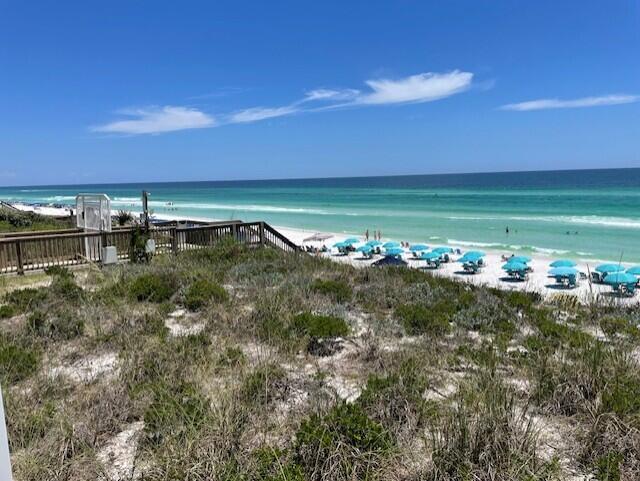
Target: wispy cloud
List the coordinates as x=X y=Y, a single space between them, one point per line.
x=542 y=104
x=261 y=113
x=424 y=87
x=154 y=120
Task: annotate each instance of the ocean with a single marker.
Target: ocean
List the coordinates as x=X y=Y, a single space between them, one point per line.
x=587 y=214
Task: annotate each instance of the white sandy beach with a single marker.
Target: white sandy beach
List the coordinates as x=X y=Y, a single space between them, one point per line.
x=492 y=275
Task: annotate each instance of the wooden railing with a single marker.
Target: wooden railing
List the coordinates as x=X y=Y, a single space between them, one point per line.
x=32 y=252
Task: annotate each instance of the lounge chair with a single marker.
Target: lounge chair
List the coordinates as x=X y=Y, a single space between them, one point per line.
x=471 y=267
x=596 y=278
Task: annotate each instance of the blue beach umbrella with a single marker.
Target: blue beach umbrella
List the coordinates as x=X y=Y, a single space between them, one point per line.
x=609 y=268
x=393 y=251
x=341 y=245
x=634 y=271
x=351 y=240
x=471 y=256
x=365 y=249
x=442 y=250
x=515 y=266
x=374 y=243
x=430 y=256
x=419 y=247
x=563 y=271
x=391 y=245
x=563 y=263
x=616 y=278
x=520 y=259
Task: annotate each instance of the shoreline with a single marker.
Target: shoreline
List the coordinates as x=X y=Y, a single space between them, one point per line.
x=491 y=275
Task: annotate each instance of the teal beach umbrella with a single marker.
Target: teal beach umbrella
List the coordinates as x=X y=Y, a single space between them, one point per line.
x=364 y=249
x=634 y=271
x=515 y=266
x=374 y=243
x=563 y=263
x=609 y=268
x=442 y=250
x=430 y=256
x=520 y=259
x=341 y=245
x=393 y=251
x=563 y=271
x=351 y=240
x=391 y=245
x=616 y=278
x=419 y=247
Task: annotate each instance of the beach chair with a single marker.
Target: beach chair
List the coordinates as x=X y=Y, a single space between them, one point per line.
x=596 y=278
x=446 y=258
x=471 y=267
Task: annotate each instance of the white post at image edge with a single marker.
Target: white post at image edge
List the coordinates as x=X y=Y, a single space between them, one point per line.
x=5 y=460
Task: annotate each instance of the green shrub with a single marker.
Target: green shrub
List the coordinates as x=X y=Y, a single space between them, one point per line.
x=55 y=324
x=314 y=325
x=263 y=385
x=138 y=246
x=152 y=288
x=620 y=326
x=232 y=357
x=622 y=394
x=396 y=400
x=176 y=411
x=17 y=362
x=25 y=299
x=203 y=291
x=344 y=444
x=608 y=467
x=339 y=290
x=272 y=464
x=418 y=319
x=7 y=310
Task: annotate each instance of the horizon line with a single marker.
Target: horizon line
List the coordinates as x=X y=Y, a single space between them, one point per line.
x=323 y=178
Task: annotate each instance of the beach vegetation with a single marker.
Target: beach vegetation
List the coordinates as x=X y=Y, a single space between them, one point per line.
x=420 y=377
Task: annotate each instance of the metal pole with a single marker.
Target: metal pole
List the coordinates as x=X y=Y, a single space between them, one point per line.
x=5 y=460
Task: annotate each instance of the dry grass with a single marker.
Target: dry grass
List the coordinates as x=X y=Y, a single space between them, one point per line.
x=301 y=368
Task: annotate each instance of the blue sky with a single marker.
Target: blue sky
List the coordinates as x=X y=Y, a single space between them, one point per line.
x=132 y=91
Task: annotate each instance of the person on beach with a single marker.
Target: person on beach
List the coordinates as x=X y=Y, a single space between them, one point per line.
x=507 y=230
x=366 y=235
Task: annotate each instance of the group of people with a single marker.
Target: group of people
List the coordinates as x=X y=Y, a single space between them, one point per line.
x=377 y=235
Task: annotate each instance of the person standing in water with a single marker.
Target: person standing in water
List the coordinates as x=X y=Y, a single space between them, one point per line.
x=507 y=230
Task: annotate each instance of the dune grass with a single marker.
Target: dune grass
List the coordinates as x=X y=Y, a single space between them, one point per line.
x=305 y=369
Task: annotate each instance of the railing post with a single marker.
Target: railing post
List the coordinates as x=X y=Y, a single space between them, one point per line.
x=234 y=230
x=262 y=234
x=174 y=240
x=19 y=257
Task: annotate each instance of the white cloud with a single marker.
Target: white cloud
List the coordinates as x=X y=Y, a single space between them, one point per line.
x=542 y=104
x=261 y=113
x=155 y=120
x=424 y=87
x=330 y=94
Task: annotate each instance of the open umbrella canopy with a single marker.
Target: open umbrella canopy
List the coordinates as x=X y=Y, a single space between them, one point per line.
x=374 y=243
x=442 y=250
x=341 y=245
x=563 y=263
x=393 y=251
x=616 y=278
x=391 y=245
x=563 y=271
x=430 y=256
x=635 y=270
x=390 y=261
x=609 y=268
x=520 y=259
x=365 y=248
x=515 y=266
x=472 y=256
x=419 y=247
x=318 y=237
x=351 y=240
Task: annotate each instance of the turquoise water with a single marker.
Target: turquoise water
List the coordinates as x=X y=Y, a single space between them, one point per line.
x=587 y=214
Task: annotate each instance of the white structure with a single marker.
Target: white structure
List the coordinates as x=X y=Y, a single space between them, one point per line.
x=5 y=460
x=93 y=214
